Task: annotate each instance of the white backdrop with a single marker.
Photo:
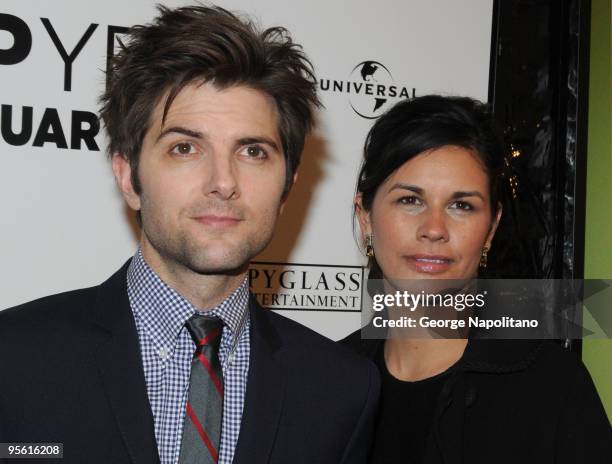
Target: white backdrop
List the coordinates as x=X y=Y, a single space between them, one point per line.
x=64 y=225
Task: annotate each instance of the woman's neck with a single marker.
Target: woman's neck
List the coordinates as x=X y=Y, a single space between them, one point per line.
x=418 y=359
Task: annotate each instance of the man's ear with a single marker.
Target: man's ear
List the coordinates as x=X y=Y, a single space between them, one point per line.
x=363 y=216
x=123 y=175
x=494 y=226
x=286 y=195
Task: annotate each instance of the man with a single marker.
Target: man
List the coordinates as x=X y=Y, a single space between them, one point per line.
x=170 y=360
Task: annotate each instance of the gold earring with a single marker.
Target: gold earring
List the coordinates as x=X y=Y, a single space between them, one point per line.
x=484 y=257
x=369 y=247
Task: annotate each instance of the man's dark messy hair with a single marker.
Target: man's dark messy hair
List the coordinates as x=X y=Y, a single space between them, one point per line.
x=202 y=44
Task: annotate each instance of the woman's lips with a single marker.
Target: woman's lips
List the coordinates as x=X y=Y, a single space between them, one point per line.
x=429 y=264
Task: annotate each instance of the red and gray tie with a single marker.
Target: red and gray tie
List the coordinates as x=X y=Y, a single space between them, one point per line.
x=202 y=426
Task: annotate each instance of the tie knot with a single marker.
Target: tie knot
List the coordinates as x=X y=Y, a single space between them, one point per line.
x=205 y=330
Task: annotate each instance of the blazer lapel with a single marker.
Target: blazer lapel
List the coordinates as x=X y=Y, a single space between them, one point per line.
x=264 y=394
x=117 y=352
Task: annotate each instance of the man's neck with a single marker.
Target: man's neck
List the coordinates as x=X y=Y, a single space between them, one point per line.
x=204 y=292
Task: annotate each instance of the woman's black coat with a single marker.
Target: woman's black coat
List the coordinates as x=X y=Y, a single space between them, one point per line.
x=514 y=401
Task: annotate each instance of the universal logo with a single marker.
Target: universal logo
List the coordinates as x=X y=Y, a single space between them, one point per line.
x=24 y=125
x=307 y=287
x=370 y=88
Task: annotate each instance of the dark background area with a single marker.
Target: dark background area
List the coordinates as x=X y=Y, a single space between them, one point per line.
x=538 y=89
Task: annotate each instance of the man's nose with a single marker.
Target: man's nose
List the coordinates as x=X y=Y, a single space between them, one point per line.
x=222 y=178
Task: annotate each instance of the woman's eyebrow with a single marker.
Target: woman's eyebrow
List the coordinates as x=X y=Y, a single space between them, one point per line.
x=473 y=193
x=420 y=191
x=412 y=188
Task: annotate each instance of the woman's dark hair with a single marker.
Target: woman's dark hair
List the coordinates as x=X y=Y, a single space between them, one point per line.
x=426 y=123
x=205 y=44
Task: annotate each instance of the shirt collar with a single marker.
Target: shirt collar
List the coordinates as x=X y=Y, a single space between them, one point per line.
x=164 y=312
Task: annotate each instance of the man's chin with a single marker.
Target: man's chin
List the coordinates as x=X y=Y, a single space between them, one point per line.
x=219 y=268
x=217 y=263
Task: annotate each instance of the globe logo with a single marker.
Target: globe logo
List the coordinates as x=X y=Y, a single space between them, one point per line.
x=370 y=89
x=373 y=89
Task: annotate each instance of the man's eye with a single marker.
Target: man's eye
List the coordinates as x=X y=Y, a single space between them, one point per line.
x=255 y=151
x=183 y=148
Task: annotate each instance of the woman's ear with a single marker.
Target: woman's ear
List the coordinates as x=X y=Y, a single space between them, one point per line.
x=494 y=225
x=363 y=216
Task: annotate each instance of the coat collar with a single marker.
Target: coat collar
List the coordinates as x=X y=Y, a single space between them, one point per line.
x=265 y=393
x=117 y=353
x=499 y=356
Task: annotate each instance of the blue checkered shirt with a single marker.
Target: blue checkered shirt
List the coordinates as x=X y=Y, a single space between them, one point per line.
x=167 y=350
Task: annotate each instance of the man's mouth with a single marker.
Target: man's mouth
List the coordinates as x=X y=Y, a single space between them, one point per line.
x=218 y=221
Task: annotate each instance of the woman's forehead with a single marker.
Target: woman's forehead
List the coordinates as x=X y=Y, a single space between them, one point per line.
x=448 y=164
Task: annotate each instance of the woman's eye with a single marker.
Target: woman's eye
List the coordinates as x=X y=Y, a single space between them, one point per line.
x=254 y=151
x=409 y=200
x=462 y=205
x=183 y=149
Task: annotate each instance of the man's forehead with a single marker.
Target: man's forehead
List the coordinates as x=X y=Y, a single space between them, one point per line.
x=198 y=102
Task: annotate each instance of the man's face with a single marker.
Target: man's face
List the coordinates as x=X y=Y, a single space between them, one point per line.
x=212 y=178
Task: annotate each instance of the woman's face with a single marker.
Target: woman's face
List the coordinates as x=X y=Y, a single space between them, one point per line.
x=432 y=217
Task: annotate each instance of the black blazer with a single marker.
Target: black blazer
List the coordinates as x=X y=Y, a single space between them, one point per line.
x=513 y=401
x=71 y=373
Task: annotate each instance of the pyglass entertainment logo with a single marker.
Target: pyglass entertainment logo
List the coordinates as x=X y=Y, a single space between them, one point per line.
x=370 y=88
x=307 y=287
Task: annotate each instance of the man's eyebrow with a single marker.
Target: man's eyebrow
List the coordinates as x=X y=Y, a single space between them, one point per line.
x=180 y=130
x=258 y=139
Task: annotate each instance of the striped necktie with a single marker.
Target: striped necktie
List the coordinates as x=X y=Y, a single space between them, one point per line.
x=202 y=426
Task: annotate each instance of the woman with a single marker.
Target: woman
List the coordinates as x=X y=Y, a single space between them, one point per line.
x=428 y=206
